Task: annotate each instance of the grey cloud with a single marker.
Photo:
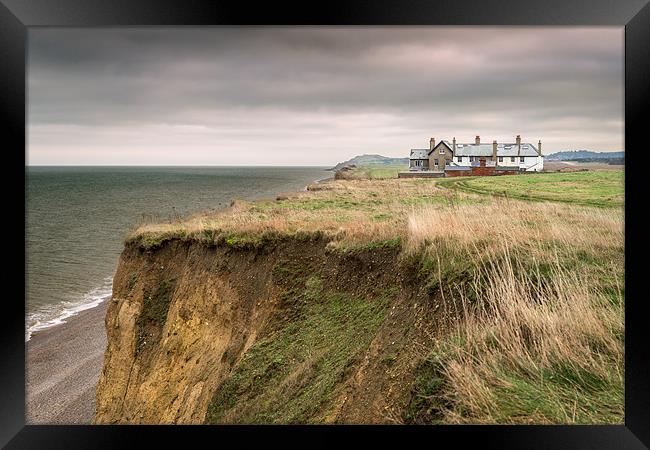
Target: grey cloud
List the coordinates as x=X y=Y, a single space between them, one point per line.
x=566 y=83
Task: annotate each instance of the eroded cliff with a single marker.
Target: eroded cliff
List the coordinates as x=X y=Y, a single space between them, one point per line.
x=289 y=331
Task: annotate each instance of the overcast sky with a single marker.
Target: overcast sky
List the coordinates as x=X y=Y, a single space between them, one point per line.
x=315 y=95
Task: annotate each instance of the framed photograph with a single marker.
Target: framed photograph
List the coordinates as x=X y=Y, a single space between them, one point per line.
x=417 y=217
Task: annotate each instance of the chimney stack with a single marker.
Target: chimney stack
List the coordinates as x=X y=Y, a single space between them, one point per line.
x=454 y=144
x=478 y=140
x=539 y=148
x=518 y=145
x=432 y=143
x=518 y=140
x=494 y=152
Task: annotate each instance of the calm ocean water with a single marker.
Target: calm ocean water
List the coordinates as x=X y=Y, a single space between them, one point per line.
x=77 y=218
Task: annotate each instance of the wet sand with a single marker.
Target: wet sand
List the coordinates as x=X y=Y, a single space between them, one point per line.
x=62 y=369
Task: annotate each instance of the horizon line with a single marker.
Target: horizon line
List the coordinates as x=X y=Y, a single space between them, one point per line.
x=172 y=165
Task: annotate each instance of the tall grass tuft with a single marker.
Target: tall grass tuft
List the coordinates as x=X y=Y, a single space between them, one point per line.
x=538 y=332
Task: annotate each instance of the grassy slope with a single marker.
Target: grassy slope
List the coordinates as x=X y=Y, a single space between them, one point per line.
x=535 y=292
x=291 y=375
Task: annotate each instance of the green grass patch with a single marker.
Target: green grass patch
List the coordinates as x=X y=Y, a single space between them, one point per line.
x=156 y=304
x=133 y=279
x=153 y=314
x=424 y=200
x=251 y=241
x=374 y=172
x=326 y=205
x=291 y=375
x=563 y=394
x=153 y=241
x=603 y=188
x=442 y=200
x=426 y=402
x=392 y=243
x=382 y=217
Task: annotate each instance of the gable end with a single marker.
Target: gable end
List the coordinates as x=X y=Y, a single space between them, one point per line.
x=439 y=144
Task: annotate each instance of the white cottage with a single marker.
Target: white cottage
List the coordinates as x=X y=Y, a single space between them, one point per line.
x=517 y=155
x=451 y=156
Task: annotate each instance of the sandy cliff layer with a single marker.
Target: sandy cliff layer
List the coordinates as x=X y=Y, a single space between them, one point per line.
x=333 y=334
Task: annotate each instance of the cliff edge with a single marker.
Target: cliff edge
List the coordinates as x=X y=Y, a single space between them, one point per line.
x=287 y=332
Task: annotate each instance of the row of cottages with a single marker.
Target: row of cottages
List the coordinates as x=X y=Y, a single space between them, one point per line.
x=452 y=159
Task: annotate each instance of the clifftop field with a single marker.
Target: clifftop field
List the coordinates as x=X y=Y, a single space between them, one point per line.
x=591 y=188
x=473 y=300
x=371 y=205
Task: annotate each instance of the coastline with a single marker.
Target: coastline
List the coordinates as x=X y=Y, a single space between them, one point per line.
x=64 y=361
x=63 y=364
x=91 y=299
x=319 y=181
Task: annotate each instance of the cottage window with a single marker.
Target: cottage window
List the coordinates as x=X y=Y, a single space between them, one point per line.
x=521 y=159
x=471 y=159
x=512 y=159
x=500 y=158
x=435 y=161
x=460 y=159
x=441 y=150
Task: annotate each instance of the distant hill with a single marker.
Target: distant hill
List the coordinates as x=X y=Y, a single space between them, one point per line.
x=584 y=155
x=370 y=160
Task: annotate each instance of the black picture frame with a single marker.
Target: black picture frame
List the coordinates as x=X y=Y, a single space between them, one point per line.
x=17 y=16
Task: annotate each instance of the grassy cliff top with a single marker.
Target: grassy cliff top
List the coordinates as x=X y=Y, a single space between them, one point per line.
x=534 y=263
x=366 y=211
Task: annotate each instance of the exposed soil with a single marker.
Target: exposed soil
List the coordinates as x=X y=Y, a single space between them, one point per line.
x=182 y=317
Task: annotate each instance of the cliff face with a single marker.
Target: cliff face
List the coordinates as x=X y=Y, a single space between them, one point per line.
x=176 y=324
x=285 y=332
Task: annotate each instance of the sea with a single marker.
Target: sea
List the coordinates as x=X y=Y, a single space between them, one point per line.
x=77 y=219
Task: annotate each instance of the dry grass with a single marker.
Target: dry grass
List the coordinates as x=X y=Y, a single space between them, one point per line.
x=350 y=212
x=528 y=352
x=509 y=223
x=537 y=336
